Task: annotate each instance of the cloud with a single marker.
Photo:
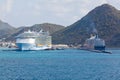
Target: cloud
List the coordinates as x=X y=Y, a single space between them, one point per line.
x=9 y=4
x=62 y=8
x=64 y=12
x=5 y=7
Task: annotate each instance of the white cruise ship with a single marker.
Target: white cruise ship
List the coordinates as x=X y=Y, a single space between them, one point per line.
x=31 y=40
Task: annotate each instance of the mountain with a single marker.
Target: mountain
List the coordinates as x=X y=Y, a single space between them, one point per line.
x=5 y=30
x=37 y=27
x=47 y=27
x=104 y=20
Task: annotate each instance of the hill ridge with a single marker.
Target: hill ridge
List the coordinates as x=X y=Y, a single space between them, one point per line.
x=104 y=19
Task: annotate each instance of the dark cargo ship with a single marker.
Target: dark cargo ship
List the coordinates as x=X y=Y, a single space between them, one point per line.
x=95 y=43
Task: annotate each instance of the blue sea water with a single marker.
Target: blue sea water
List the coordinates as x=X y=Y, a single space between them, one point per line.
x=59 y=65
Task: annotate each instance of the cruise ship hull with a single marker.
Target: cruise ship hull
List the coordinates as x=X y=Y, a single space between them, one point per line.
x=28 y=46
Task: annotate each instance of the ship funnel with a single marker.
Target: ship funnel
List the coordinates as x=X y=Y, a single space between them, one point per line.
x=95 y=31
x=93 y=28
x=97 y=36
x=48 y=32
x=41 y=31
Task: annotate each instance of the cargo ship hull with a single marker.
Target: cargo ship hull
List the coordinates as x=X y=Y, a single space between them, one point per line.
x=99 y=47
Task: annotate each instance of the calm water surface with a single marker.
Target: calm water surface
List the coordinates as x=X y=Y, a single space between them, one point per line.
x=59 y=65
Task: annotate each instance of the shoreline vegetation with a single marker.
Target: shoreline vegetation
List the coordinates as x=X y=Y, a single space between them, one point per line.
x=54 y=46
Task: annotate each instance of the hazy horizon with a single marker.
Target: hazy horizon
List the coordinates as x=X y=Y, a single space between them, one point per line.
x=65 y=12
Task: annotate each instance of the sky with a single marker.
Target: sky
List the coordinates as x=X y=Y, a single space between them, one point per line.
x=63 y=12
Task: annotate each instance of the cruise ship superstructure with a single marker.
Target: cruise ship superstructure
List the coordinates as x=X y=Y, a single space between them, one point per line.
x=31 y=40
